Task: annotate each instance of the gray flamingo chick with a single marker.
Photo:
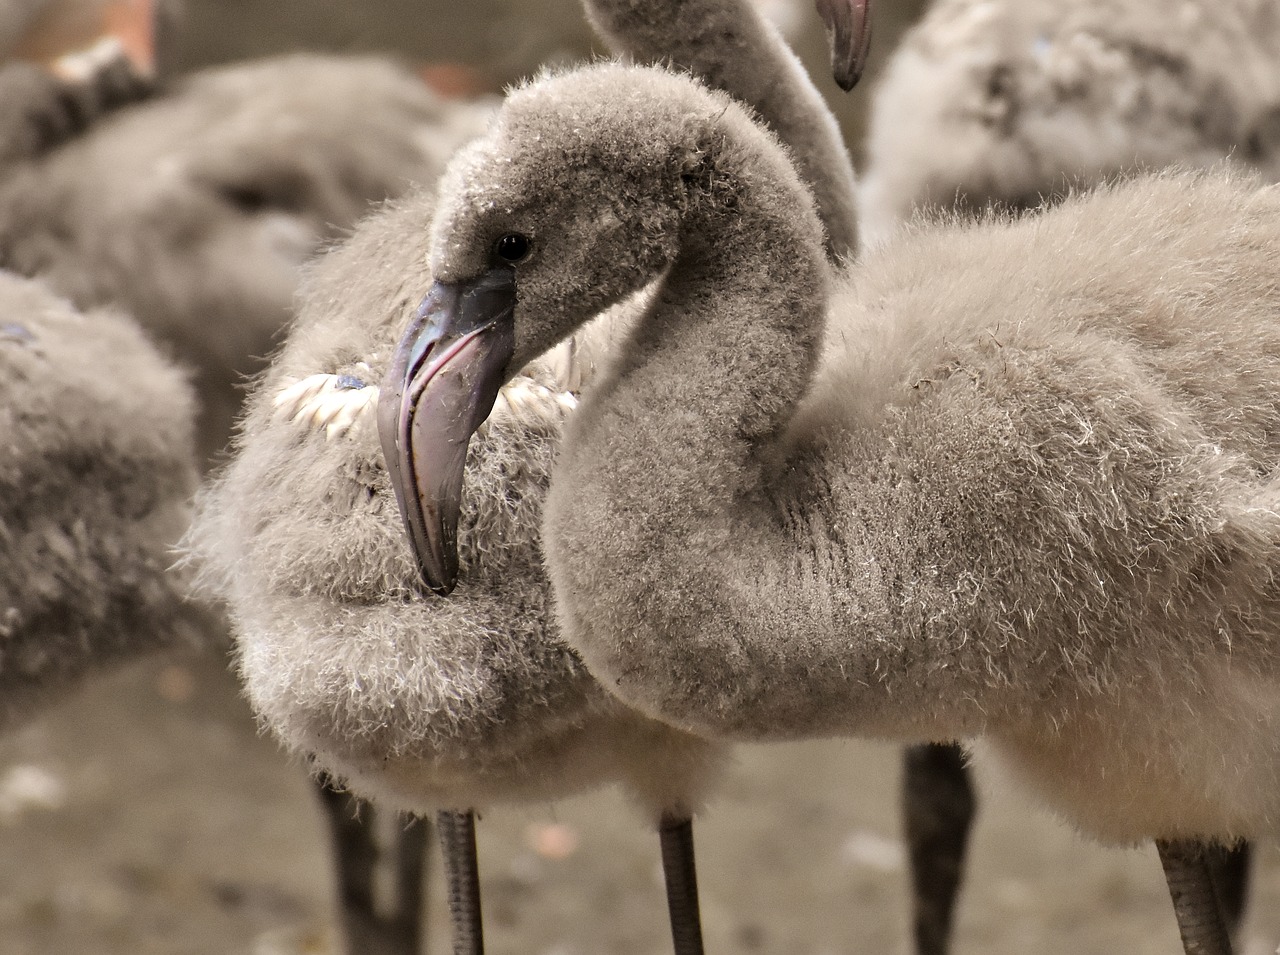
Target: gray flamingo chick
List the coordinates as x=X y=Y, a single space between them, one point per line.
x=1012 y=104
x=418 y=702
x=915 y=502
x=97 y=470
x=195 y=210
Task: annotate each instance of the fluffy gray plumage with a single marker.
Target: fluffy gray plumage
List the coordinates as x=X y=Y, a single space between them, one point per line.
x=1009 y=101
x=915 y=502
x=419 y=702
x=195 y=211
x=97 y=466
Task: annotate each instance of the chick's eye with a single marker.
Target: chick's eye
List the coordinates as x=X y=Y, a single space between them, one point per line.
x=512 y=247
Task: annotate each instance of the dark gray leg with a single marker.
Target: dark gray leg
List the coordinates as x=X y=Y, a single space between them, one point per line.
x=938 y=806
x=365 y=929
x=1195 y=902
x=413 y=836
x=355 y=857
x=1230 y=870
x=462 y=875
x=680 y=871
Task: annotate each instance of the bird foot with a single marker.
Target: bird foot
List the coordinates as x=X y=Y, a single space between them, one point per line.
x=331 y=402
x=525 y=401
x=335 y=403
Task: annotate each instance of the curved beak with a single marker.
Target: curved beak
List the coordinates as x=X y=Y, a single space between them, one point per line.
x=443 y=380
x=849 y=34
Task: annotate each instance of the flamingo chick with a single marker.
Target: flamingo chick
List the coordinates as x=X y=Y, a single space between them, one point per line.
x=418 y=701
x=1012 y=103
x=1009 y=480
x=97 y=469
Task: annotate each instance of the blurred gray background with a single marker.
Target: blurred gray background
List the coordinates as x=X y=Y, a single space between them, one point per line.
x=500 y=40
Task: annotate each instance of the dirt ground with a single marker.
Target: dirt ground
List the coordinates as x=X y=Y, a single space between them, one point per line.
x=148 y=817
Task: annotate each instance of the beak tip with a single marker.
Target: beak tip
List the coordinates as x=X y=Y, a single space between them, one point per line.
x=442 y=585
x=437 y=573
x=848 y=24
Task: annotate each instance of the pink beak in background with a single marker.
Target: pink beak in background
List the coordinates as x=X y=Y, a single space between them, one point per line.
x=849 y=34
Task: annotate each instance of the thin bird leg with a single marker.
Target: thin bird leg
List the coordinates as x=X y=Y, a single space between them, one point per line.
x=356 y=857
x=1195 y=903
x=680 y=871
x=413 y=835
x=365 y=928
x=1230 y=870
x=938 y=806
x=462 y=875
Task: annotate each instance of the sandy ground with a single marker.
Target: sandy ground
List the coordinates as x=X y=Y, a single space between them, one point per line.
x=148 y=816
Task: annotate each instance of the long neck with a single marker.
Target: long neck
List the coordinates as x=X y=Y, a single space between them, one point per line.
x=729 y=45
x=701 y=575
x=661 y=495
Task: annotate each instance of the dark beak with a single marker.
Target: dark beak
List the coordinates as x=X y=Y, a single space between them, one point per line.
x=849 y=33
x=443 y=380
